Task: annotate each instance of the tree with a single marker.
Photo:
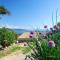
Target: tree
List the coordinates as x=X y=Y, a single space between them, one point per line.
x=4 y=11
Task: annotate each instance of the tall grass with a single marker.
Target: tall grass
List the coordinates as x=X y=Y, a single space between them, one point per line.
x=44 y=52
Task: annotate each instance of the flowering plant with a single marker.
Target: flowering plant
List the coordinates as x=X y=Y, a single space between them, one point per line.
x=51 y=43
x=47 y=49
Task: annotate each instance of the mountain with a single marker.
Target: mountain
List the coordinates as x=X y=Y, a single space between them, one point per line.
x=20 y=31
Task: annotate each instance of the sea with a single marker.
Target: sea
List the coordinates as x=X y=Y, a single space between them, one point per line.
x=20 y=31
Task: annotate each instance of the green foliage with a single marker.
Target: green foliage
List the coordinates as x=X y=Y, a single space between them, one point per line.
x=4 y=11
x=7 y=37
x=43 y=52
x=55 y=37
x=26 y=50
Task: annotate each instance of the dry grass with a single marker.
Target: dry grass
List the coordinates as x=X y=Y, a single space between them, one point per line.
x=9 y=50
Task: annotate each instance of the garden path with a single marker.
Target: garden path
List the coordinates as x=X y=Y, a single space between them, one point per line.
x=15 y=56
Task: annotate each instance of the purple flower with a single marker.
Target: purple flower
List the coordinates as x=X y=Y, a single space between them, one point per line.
x=51 y=43
x=31 y=34
x=45 y=26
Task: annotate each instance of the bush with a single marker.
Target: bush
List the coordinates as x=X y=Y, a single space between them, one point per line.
x=7 y=37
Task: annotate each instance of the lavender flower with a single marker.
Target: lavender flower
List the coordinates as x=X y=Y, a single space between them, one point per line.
x=45 y=26
x=31 y=34
x=51 y=43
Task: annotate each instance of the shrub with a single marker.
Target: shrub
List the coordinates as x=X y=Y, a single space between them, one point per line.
x=7 y=37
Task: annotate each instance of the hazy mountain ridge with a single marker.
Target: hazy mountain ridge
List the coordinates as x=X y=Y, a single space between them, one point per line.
x=19 y=31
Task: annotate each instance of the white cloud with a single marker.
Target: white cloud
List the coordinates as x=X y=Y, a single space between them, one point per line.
x=16 y=26
x=9 y=26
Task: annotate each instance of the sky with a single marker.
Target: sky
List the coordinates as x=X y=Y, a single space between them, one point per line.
x=30 y=14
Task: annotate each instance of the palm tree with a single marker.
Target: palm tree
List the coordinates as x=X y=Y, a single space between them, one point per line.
x=4 y=11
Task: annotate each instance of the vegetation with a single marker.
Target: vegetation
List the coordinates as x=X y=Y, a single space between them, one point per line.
x=4 y=11
x=16 y=47
x=9 y=50
x=43 y=51
x=28 y=48
x=48 y=49
x=7 y=37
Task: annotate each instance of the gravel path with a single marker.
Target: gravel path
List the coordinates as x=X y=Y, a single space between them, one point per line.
x=14 y=56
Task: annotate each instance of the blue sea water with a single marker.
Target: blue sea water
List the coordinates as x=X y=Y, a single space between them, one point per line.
x=20 y=31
